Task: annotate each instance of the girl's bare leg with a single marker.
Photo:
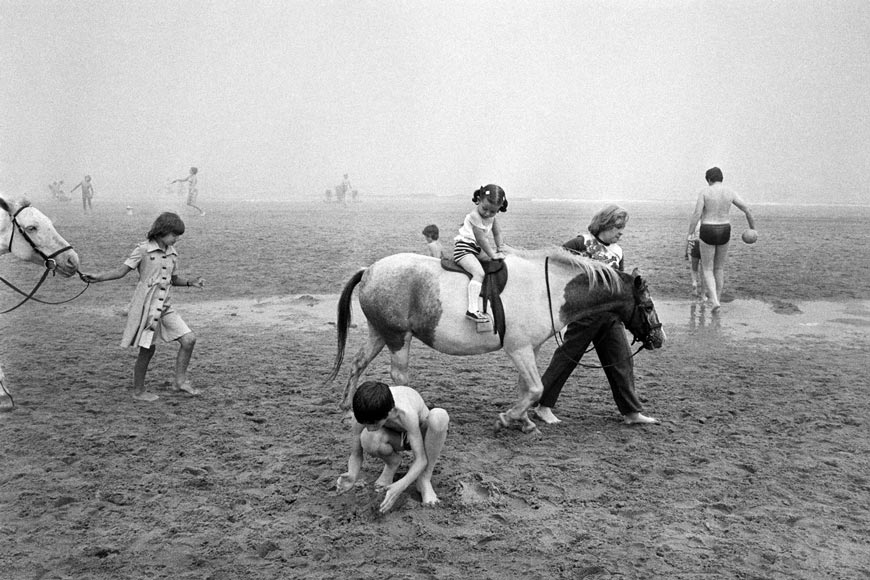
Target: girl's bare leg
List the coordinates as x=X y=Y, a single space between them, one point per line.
x=182 y=360
x=139 y=371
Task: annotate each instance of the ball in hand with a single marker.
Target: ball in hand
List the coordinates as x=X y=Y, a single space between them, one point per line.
x=750 y=236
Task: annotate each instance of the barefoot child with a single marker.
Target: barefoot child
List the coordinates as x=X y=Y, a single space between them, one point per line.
x=87 y=193
x=192 y=190
x=472 y=244
x=151 y=314
x=693 y=251
x=388 y=421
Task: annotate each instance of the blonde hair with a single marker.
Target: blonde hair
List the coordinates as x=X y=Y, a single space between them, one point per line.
x=610 y=216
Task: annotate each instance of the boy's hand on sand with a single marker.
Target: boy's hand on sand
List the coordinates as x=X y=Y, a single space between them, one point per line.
x=345 y=482
x=393 y=493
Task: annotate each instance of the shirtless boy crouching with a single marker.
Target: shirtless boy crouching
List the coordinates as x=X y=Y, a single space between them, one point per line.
x=388 y=421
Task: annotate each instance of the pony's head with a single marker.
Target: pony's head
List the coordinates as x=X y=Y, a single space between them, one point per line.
x=29 y=235
x=642 y=320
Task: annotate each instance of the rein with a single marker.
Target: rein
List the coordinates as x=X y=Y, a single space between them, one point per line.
x=48 y=261
x=556 y=334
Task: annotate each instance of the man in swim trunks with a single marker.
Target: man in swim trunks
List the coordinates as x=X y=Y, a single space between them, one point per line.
x=711 y=209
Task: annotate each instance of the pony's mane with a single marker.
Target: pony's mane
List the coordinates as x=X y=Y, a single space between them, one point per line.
x=596 y=272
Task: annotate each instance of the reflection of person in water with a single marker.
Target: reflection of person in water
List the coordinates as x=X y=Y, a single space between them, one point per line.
x=711 y=209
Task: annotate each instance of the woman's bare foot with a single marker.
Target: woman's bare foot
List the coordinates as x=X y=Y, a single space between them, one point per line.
x=546 y=415
x=145 y=396
x=187 y=388
x=639 y=419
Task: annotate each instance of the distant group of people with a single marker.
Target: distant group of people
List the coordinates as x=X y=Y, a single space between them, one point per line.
x=86 y=185
x=342 y=191
x=56 y=189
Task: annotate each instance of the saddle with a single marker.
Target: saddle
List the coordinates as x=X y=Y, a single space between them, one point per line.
x=494 y=281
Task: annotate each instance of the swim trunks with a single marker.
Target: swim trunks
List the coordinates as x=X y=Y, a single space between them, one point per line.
x=715 y=234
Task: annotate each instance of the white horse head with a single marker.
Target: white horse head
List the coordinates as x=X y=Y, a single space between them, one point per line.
x=30 y=236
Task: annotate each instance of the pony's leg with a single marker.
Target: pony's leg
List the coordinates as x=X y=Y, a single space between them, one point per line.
x=6 y=403
x=362 y=359
x=399 y=362
x=530 y=389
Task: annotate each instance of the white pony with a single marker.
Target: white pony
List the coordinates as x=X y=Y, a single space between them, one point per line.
x=410 y=295
x=29 y=235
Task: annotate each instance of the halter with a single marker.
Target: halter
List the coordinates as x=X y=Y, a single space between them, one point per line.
x=646 y=326
x=48 y=261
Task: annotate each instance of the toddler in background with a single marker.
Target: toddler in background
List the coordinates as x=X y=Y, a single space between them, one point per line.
x=431 y=234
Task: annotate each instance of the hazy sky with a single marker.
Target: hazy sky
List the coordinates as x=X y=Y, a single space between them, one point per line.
x=590 y=100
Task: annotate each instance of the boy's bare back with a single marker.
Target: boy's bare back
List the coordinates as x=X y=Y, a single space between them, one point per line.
x=409 y=406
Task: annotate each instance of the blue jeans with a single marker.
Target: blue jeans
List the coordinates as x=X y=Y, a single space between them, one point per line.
x=607 y=333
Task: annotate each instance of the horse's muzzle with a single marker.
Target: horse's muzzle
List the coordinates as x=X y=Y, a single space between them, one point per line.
x=67 y=263
x=656 y=339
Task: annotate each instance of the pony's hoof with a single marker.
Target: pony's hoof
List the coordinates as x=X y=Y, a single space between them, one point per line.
x=531 y=430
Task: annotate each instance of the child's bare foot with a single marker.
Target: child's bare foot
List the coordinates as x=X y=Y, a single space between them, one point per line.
x=145 y=396
x=545 y=414
x=187 y=388
x=428 y=493
x=638 y=418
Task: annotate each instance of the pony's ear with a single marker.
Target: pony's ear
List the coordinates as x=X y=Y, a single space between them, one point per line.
x=639 y=282
x=5 y=206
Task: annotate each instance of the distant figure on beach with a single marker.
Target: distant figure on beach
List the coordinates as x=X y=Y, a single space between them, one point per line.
x=711 y=210
x=57 y=192
x=693 y=253
x=605 y=331
x=87 y=193
x=342 y=190
x=471 y=244
x=390 y=420
x=430 y=233
x=150 y=312
x=192 y=191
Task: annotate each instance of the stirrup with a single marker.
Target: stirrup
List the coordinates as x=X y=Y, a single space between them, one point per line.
x=476 y=316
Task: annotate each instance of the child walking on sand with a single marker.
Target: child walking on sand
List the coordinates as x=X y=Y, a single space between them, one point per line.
x=472 y=245
x=151 y=314
x=192 y=191
x=87 y=193
x=390 y=420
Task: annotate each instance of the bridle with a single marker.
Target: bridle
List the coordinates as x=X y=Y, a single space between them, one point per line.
x=48 y=261
x=641 y=310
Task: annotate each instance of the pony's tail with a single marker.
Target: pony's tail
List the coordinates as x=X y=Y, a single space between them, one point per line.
x=343 y=322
